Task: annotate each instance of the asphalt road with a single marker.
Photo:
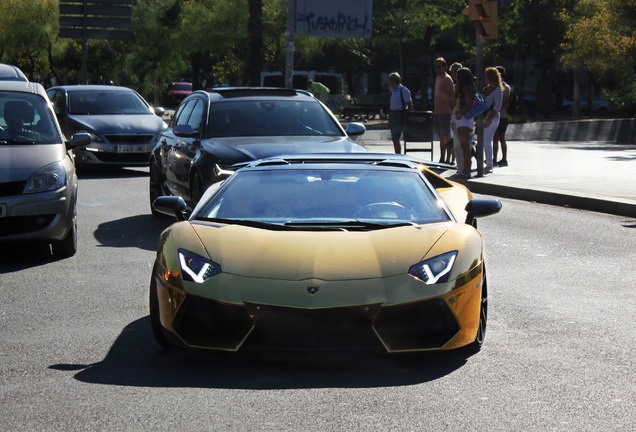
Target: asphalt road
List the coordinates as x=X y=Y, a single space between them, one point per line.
x=77 y=352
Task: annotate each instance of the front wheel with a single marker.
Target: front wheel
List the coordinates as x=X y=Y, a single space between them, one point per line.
x=67 y=247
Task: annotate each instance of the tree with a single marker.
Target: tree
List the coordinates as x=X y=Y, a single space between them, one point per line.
x=601 y=37
x=28 y=32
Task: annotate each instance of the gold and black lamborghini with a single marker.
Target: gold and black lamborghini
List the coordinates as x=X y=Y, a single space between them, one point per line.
x=327 y=251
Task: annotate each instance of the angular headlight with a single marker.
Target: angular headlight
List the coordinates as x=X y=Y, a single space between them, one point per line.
x=434 y=270
x=48 y=178
x=196 y=268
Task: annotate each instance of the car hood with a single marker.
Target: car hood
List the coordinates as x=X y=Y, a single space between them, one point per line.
x=326 y=255
x=240 y=149
x=18 y=162
x=120 y=123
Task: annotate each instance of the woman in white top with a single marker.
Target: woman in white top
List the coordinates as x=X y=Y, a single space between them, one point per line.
x=493 y=96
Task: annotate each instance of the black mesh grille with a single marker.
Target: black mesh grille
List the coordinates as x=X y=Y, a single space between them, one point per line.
x=202 y=322
x=344 y=328
x=424 y=325
x=12 y=188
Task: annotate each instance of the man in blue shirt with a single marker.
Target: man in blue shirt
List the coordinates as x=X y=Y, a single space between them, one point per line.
x=400 y=103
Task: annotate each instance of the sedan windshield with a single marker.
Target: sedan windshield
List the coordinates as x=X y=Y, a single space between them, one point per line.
x=84 y=102
x=346 y=199
x=270 y=118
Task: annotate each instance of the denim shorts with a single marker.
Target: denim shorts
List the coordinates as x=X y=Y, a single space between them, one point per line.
x=397 y=123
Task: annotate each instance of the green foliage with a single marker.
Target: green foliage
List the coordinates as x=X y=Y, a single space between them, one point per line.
x=206 y=41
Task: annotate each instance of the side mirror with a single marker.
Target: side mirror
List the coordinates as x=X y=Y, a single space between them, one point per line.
x=355 y=128
x=480 y=207
x=80 y=139
x=174 y=206
x=159 y=111
x=184 y=131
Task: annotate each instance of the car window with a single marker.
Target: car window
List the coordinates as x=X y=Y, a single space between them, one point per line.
x=57 y=98
x=182 y=115
x=257 y=117
x=26 y=118
x=106 y=102
x=196 y=116
x=281 y=196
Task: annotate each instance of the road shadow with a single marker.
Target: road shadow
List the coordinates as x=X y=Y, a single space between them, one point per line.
x=136 y=360
x=16 y=256
x=140 y=231
x=99 y=172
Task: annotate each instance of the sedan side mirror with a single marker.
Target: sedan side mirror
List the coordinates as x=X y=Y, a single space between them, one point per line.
x=184 y=131
x=355 y=128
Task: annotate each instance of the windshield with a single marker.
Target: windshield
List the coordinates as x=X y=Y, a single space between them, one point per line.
x=302 y=198
x=270 y=118
x=113 y=101
x=25 y=118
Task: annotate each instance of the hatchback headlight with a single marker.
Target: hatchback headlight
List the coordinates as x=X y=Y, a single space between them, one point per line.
x=434 y=270
x=196 y=268
x=48 y=178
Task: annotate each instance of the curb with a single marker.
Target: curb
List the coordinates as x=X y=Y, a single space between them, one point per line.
x=554 y=198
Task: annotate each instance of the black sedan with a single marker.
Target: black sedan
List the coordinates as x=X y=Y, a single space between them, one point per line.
x=123 y=126
x=213 y=130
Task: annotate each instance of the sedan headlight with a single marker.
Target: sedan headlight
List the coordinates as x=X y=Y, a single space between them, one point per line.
x=434 y=270
x=48 y=178
x=196 y=268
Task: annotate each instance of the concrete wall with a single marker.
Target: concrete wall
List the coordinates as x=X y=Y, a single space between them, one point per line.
x=606 y=130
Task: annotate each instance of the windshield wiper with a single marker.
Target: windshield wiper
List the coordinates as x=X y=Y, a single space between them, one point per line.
x=245 y=222
x=346 y=224
x=15 y=141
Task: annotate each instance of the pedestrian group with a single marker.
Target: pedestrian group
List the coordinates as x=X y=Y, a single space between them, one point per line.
x=455 y=105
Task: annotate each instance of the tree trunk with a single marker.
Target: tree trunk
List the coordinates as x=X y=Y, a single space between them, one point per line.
x=255 y=42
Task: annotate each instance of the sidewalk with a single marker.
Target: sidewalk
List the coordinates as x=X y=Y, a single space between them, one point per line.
x=595 y=176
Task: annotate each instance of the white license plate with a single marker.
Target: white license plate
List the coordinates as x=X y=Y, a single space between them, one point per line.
x=131 y=149
x=3 y=210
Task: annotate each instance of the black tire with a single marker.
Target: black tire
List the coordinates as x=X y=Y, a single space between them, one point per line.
x=155 y=189
x=67 y=247
x=155 y=320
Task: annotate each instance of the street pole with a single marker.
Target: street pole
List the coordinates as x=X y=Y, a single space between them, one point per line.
x=289 y=37
x=479 y=121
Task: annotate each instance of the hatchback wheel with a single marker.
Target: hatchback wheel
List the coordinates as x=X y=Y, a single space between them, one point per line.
x=67 y=247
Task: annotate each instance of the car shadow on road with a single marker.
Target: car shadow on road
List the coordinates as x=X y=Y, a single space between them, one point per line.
x=99 y=172
x=136 y=360
x=139 y=231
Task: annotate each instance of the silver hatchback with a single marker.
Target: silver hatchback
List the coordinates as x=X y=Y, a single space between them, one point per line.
x=38 y=184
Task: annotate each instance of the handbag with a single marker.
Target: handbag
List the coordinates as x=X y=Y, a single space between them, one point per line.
x=479 y=106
